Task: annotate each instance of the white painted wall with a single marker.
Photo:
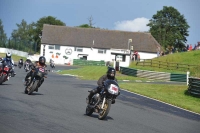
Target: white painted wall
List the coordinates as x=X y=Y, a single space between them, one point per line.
x=92 y=54
x=15 y=52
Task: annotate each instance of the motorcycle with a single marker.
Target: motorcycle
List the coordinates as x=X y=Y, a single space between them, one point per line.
x=27 y=66
x=5 y=73
x=20 y=63
x=34 y=82
x=101 y=102
x=52 y=64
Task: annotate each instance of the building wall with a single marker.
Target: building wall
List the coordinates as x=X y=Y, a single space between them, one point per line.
x=90 y=53
x=15 y=52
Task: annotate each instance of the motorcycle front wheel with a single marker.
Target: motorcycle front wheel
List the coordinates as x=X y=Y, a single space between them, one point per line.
x=34 y=86
x=2 y=78
x=89 y=110
x=104 y=112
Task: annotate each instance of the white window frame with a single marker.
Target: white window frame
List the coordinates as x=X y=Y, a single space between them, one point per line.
x=78 y=49
x=53 y=47
x=101 y=51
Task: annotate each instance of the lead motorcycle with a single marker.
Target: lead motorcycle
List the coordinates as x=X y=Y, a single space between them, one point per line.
x=34 y=82
x=101 y=102
x=5 y=73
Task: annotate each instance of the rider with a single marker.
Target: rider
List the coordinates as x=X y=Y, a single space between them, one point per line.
x=27 y=61
x=9 y=61
x=51 y=62
x=40 y=63
x=20 y=61
x=110 y=75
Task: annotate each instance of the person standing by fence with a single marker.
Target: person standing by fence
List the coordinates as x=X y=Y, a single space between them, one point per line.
x=158 y=51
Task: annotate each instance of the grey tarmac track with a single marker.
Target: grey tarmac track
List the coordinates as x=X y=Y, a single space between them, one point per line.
x=59 y=107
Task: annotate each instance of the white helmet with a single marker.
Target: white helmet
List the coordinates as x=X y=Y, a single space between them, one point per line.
x=8 y=55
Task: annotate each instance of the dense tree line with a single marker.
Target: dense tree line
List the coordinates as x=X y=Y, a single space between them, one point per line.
x=167 y=26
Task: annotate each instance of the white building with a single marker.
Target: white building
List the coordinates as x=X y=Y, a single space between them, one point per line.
x=58 y=42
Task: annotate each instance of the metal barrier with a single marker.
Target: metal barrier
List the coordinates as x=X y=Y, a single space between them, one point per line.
x=88 y=62
x=194 y=86
x=154 y=75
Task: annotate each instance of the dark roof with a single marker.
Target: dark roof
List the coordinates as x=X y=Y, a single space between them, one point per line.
x=83 y=37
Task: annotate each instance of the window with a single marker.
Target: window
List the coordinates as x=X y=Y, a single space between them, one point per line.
x=51 y=47
x=55 y=47
x=101 y=51
x=78 y=49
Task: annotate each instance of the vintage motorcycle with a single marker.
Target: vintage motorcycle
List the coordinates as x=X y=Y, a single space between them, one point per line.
x=101 y=102
x=34 y=82
x=5 y=73
x=27 y=66
x=20 y=63
x=52 y=64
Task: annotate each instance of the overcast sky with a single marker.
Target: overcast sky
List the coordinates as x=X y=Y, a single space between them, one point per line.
x=126 y=15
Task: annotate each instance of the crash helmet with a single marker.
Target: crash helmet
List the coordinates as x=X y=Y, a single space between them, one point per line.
x=42 y=60
x=111 y=73
x=8 y=56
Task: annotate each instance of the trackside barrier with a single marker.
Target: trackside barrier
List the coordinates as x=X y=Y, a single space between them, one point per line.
x=194 y=86
x=88 y=63
x=155 y=75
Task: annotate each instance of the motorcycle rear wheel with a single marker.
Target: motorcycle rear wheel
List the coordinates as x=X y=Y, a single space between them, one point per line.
x=104 y=112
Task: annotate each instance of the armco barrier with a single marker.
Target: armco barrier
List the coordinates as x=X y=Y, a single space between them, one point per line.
x=194 y=86
x=154 y=75
x=88 y=63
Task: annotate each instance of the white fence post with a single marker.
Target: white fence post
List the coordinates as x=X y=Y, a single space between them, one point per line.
x=188 y=73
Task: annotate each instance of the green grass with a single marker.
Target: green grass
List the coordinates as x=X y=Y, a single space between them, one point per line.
x=191 y=57
x=172 y=94
x=14 y=57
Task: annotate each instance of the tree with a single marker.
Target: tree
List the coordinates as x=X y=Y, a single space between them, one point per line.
x=22 y=37
x=24 y=31
x=39 y=26
x=85 y=26
x=3 y=37
x=90 y=19
x=90 y=25
x=169 y=28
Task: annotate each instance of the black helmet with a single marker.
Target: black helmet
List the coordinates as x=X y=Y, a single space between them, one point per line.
x=42 y=60
x=111 y=73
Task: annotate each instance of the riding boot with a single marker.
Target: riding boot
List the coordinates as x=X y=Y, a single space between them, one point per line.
x=88 y=99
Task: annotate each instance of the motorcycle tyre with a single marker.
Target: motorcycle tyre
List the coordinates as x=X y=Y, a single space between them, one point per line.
x=89 y=111
x=102 y=114
x=2 y=78
x=34 y=86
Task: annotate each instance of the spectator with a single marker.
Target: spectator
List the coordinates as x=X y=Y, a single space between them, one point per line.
x=190 y=48
x=158 y=51
x=187 y=47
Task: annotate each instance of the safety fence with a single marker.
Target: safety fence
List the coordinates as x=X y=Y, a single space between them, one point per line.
x=165 y=65
x=194 y=86
x=155 y=75
x=88 y=63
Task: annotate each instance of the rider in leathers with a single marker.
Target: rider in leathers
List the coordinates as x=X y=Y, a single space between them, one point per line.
x=110 y=75
x=37 y=64
x=9 y=61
